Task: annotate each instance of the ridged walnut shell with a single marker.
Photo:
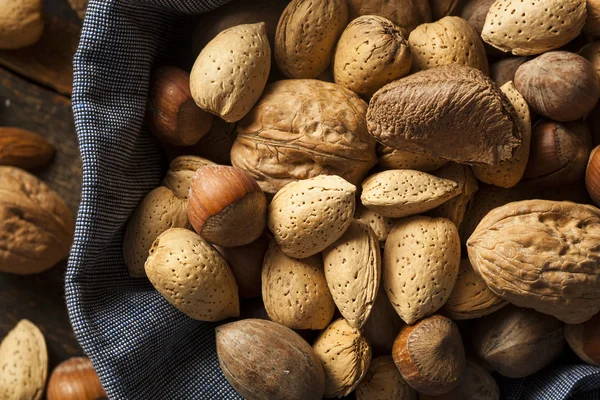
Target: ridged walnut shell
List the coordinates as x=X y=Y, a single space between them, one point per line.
x=541 y=254
x=473 y=123
x=36 y=226
x=304 y=128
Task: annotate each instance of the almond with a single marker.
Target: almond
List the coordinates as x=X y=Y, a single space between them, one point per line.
x=400 y=193
x=353 y=270
x=508 y=173
x=471 y=298
x=379 y=224
x=450 y=40
x=306 y=36
x=192 y=276
x=295 y=291
x=345 y=355
x=533 y=27
x=231 y=72
x=307 y=216
x=23 y=363
x=420 y=265
x=455 y=208
x=24 y=149
x=180 y=174
x=390 y=158
x=264 y=360
x=384 y=382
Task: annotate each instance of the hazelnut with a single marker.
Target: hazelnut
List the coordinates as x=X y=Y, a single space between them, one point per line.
x=559 y=85
x=518 y=342
x=584 y=340
x=75 y=379
x=226 y=206
x=430 y=355
x=592 y=175
x=172 y=115
x=559 y=153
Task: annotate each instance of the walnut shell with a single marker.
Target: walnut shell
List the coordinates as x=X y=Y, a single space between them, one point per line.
x=455 y=208
x=518 y=342
x=473 y=122
x=559 y=85
x=306 y=36
x=345 y=355
x=470 y=297
x=304 y=128
x=390 y=158
x=541 y=254
x=407 y=14
x=370 y=54
x=450 y=40
x=384 y=382
x=36 y=226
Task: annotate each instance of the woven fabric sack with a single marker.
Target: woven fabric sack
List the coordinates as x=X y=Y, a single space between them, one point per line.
x=141 y=347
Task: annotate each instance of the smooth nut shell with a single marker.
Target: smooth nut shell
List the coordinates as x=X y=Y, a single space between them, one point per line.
x=584 y=340
x=443 y=8
x=75 y=379
x=430 y=355
x=345 y=355
x=191 y=275
x=559 y=85
x=23 y=362
x=475 y=12
x=264 y=360
x=503 y=71
x=384 y=382
x=24 y=149
x=226 y=206
x=21 y=23
x=407 y=14
x=518 y=342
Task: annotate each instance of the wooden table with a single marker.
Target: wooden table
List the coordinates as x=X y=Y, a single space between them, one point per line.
x=35 y=85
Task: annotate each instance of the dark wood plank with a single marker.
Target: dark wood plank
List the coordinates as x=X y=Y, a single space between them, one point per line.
x=49 y=61
x=40 y=298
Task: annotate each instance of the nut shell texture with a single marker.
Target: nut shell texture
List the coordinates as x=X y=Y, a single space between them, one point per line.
x=407 y=14
x=295 y=291
x=533 y=27
x=452 y=112
x=379 y=224
x=36 y=226
x=384 y=382
x=400 y=193
x=192 y=276
x=231 y=72
x=264 y=360
x=180 y=174
x=370 y=54
x=23 y=363
x=353 y=270
x=541 y=254
x=24 y=149
x=306 y=36
x=450 y=40
x=301 y=129
x=307 y=216
x=21 y=23
x=420 y=265
x=345 y=355
x=455 y=208
x=390 y=158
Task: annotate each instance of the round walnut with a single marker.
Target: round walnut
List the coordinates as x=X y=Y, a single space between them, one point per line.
x=518 y=342
x=450 y=40
x=407 y=14
x=430 y=355
x=370 y=54
x=304 y=128
x=384 y=382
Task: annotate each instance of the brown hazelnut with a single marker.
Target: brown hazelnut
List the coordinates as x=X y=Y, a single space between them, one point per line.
x=592 y=175
x=503 y=71
x=475 y=12
x=430 y=355
x=559 y=85
x=226 y=206
x=246 y=263
x=476 y=384
x=518 y=342
x=584 y=340
x=75 y=379
x=559 y=153
x=172 y=115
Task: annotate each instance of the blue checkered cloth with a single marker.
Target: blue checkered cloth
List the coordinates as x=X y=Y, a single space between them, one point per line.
x=141 y=346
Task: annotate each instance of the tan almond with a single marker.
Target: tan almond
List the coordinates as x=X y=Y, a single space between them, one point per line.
x=23 y=363
x=400 y=193
x=345 y=355
x=180 y=174
x=420 y=265
x=455 y=208
x=390 y=158
x=295 y=291
x=191 y=275
x=450 y=40
x=307 y=216
x=24 y=149
x=353 y=271
x=384 y=382
x=381 y=225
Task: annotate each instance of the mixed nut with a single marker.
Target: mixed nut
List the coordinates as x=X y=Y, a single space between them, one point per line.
x=409 y=172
